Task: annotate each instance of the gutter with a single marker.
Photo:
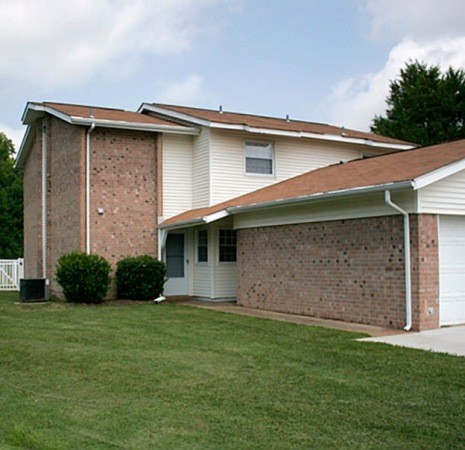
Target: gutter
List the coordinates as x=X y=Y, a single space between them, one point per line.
x=408 y=283
x=92 y=127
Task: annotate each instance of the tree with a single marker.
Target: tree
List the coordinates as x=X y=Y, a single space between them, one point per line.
x=11 y=203
x=425 y=106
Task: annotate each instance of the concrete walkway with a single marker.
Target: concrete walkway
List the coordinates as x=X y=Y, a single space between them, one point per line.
x=444 y=340
x=234 y=308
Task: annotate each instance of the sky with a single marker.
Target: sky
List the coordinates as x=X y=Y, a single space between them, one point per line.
x=327 y=61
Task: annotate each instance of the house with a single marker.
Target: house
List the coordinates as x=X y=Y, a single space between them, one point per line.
x=279 y=214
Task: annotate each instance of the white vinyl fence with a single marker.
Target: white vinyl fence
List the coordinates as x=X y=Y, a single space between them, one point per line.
x=11 y=271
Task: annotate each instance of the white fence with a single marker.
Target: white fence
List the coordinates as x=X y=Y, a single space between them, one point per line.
x=11 y=271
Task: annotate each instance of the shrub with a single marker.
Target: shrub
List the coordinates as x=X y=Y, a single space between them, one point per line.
x=140 y=277
x=84 y=278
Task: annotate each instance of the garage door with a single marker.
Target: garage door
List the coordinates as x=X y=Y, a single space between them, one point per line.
x=451 y=270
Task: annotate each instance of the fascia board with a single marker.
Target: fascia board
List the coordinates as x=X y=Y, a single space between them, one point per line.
x=134 y=126
x=323 y=196
x=174 y=114
x=303 y=134
x=439 y=174
x=44 y=109
x=23 y=148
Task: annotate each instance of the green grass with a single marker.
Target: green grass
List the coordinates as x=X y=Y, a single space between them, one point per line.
x=146 y=377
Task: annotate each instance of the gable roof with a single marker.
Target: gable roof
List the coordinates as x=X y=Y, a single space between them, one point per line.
x=249 y=122
x=409 y=169
x=85 y=115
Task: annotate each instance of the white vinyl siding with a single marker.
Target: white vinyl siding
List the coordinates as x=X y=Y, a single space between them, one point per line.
x=202 y=281
x=371 y=205
x=201 y=167
x=446 y=196
x=214 y=280
x=177 y=174
x=291 y=157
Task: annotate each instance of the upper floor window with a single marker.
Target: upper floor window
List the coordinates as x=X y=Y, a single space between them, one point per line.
x=227 y=245
x=202 y=246
x=259 y=158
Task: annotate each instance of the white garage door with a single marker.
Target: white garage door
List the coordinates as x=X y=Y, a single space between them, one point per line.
x=451 y=270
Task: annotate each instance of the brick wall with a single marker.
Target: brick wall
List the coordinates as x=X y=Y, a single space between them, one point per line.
x=124 y=174
x=32 y=208
x=65 y=193
x=425 y=271
x=123 y=183
x=350 y=270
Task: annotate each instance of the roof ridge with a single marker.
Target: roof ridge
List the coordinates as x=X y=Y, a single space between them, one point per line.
x=246 y=114
x=86 y=106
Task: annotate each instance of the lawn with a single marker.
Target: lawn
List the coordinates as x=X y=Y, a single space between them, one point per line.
x=143 y=376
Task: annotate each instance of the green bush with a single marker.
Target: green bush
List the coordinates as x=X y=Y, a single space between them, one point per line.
x=140 y=277
x=84 y=278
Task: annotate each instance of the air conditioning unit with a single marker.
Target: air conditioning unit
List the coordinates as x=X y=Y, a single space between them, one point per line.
x=33 y=290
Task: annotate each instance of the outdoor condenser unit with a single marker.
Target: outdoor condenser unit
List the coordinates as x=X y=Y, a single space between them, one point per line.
x=33 y=290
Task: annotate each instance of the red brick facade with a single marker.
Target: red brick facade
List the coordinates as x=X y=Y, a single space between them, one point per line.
x=351 y=270
x=123 y=183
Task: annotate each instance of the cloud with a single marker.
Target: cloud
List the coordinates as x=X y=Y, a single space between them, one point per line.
x=15 y=134
x=187 y=91
x=50 y=42
x=425 y=31
x=416 y=19
x=355 y=101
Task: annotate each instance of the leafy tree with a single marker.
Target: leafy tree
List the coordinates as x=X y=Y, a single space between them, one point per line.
x=425 y=106
x=11 y=203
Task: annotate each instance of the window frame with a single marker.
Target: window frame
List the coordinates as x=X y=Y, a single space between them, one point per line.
x=197 y=245
x=234 y=232
x=258 y=143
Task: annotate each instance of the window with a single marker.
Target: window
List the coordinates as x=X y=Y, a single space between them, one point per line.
x=202 y=246
x=227 y=245
x=259 y=158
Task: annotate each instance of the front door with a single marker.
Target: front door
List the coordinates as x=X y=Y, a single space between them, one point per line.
x=176 y=264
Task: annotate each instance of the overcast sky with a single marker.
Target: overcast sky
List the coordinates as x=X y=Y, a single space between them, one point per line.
x=319 y=60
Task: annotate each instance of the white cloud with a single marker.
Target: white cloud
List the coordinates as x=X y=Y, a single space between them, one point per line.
x=420 y=19
x=15 y=134
x=53 y=42
x=187 y=91
x=355 y=101
x=425 y=30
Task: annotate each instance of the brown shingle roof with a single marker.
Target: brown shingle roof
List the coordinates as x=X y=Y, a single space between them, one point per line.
x=276 y=123
x=119 y=115
x=391 y=168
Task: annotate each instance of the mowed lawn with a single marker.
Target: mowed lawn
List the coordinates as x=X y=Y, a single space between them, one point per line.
x=143 y=376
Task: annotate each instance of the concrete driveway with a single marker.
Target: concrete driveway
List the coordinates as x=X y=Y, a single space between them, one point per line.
x=444 y=340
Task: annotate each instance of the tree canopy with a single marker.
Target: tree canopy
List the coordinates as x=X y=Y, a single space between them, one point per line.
x=425 y=106
x=11 y=203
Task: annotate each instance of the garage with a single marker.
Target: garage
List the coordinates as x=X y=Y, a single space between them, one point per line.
x=451 y=270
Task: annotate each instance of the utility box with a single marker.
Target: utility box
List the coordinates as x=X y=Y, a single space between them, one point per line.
x=33 y=289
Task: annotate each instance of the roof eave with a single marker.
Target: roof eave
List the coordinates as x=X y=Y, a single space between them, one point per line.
x=407 y=184
x=304 y=134
x=138 y=126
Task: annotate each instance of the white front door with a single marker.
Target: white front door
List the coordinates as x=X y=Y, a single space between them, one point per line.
x=176 y=264
x=451 y=270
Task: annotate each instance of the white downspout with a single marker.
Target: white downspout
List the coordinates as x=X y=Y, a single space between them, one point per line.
x=408 y=283
x=44 y=200
x=88 y=187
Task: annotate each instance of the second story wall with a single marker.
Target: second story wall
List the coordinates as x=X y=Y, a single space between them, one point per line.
x=291 y=157
x=201 y=167
x=177 y=174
